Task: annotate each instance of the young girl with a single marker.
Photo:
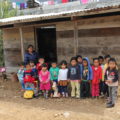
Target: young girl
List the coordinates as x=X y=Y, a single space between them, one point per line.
x=111 y=79
x=74 y=77
x=86 y=78
x=97 y=76
x=20 y=74
x=62 y=79
x=44 y=77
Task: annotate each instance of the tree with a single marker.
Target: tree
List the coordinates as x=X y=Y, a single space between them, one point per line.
x=6 y=11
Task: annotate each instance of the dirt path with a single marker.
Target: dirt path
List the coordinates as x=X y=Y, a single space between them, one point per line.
x=14 y=107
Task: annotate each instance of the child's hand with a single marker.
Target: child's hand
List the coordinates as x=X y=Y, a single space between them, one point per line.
x=43 y=82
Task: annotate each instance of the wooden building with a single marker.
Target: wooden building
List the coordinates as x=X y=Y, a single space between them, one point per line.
x=88 y=32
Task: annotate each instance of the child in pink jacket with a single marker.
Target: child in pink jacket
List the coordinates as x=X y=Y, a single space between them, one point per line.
x=44 y=77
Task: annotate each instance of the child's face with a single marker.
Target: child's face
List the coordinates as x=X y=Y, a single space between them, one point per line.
x=54 y=65
x=73 y=62
x=79 y=60
x=96 y=63
x=101 y=61
x=44 y=68
x=63 y=66
x=107 y=59
x=22 y=67
x=112 y=65
x=28 y=67
x=85 y=63
x=41 y=60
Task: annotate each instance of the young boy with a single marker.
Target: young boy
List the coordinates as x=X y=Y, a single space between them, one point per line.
x=20 y=74
x=29 y=80
x=97 y=76
x=74 y=77
x=111 y=78
x=86 y=78
x=54 y=71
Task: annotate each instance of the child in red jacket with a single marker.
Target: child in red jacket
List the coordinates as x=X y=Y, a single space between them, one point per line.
x=41 y=61
x=29 y=79
x=97 y=76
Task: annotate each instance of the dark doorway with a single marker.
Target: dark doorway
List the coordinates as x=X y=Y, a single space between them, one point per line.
x=46 y=40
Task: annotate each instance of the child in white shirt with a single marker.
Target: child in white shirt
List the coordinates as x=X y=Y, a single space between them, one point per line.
x=62 y=79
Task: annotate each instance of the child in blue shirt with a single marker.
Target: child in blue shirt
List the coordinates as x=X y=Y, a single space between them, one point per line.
x=20 y=75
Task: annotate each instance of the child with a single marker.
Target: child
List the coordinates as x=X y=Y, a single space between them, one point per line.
x=62 y=78
x=79 y=60
x=97 y=76
x=101 y=63
x=86 y=78
x=41 y=61
x=20 y=74
x=29 y=80
x=105 y=86
x=54 y=70
x=34 y=70
x=74 y=77
x=111 y=78
x=44 y=77
x=35 y=73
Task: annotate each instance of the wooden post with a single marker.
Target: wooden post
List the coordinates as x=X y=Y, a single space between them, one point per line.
x=75 y=38
x=22 y=43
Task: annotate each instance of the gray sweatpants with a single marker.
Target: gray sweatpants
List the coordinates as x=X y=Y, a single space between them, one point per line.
x=113 y=94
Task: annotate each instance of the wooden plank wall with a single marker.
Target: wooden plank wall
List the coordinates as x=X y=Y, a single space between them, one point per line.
x=12 y=49
x=65 y=41
x=94 y=36
x=99 y=36
x=28 y=36
x=12 y=45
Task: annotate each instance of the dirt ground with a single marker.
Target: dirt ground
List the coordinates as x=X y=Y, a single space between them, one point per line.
x=14 y=107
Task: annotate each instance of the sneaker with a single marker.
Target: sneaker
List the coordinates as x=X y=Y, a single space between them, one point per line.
x=63 y=94
x=66 y=95
x=77 y=97
x=110 y=105
x=109 y=102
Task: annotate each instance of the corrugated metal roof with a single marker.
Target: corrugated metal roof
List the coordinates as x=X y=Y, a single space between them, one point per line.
x=96 y=7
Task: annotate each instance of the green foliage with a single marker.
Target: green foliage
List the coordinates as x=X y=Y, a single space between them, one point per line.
x=6 y=11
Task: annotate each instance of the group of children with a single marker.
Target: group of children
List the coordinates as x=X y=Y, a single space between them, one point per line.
x=85 y=80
